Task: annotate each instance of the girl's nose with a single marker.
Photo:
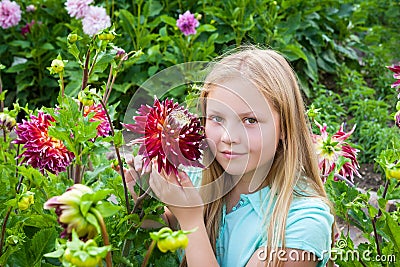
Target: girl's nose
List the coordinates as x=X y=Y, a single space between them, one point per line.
x=230 y=135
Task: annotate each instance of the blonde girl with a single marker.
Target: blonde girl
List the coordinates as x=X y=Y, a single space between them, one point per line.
x=266 y=204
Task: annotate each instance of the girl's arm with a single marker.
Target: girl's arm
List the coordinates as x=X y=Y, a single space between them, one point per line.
x=185 y=202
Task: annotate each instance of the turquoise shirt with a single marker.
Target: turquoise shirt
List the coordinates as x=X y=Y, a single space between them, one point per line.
x=308 y=227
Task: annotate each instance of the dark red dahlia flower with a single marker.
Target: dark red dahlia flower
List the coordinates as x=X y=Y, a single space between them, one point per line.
x=41 y=150
x=171 y=134
x=99 y=115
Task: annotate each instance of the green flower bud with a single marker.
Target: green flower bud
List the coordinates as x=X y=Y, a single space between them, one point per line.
x=106 y=36
x=313 y=112
x=72 y=37
x=85 y=99
x=57 y=65
x=26 y=200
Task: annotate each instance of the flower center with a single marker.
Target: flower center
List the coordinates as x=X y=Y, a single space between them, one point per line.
x=180 y=117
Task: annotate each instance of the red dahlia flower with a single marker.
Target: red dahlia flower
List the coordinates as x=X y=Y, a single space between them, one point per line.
x=329 y=148
x=41 y=150
x=396 y=69
x=171 y=134
x=99 y=115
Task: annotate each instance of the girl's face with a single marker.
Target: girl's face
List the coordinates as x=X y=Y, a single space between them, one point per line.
x=241 y=129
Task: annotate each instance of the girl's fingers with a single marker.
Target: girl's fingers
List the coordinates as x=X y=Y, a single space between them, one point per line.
x=138 y=163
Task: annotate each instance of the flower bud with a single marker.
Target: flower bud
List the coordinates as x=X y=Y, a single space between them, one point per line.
x=106 y=36
x=57 y=65
x=26 y=200
x=85 y=99
x=199 y=16
x=7 y=122
x=72 y=37
x=313 y=112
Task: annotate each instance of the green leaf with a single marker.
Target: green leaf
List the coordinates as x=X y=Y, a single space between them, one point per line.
x=107 y=209
x=93 y=221
x=20 y=43
x=55 y=254
x=152 y=8
x=168 y=20
x=392 y=230
x=85 y=206
x=206 y=28
x=42 y=242
x=294 y=52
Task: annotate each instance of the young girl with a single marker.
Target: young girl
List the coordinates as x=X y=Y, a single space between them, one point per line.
x=262 y=200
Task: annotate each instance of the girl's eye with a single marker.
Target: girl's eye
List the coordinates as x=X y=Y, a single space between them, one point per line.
x=216 y=119
x=250 y=121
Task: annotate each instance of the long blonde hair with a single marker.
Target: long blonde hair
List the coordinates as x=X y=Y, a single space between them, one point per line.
x=295 y=157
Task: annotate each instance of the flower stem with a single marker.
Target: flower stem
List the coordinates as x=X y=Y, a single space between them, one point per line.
x=376 y=236
x=3 y=230
x=3 y=227
x=1 y=102
x=140 y=199
x=121 y=166
x=85 y=75
x=104 y=234
x=62 y=84
x=107 y=85
x=340 y=177
x=148 y=254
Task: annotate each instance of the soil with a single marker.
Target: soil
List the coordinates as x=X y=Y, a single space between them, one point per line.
x=370 y=179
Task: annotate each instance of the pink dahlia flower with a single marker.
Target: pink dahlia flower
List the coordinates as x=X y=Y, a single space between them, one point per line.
x=171 y=134
x=77 y=8
x=70 y=216
x=396 y=69
x=329 y=148
x=95 y=20
x=27 y=28
x=187 y=23
x=10 y=14
x=42 y=151
x=99 y=115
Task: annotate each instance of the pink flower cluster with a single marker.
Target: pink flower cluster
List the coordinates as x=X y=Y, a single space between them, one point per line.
x=77 y=8
x=187 y=23
x=329 y=148
x=10 y=14
x=94 y=19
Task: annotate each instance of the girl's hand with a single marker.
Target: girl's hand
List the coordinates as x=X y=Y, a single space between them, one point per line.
x=134 y=173
x=179 y=194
